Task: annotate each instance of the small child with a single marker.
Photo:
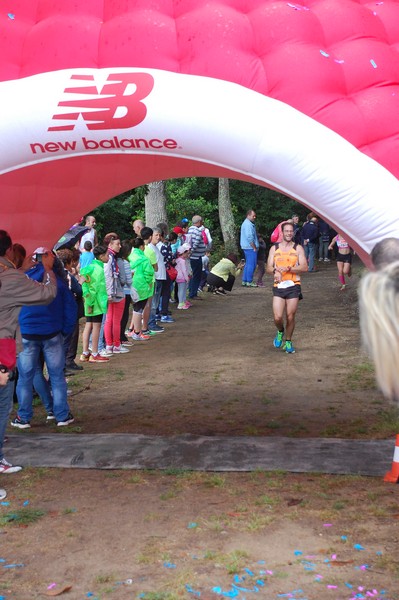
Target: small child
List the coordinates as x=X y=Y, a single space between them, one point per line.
x=95 y=303
x=205 y=270
x=183 y=277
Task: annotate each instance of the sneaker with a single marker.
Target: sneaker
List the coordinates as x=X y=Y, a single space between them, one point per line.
x=50 y=416
x=105 y=353
x=326 y=260
x=244 y=284
x=67 y=421
x=72 y=366
x=3 y=494
x=120 y=350
x=188 y=304
x=127 y=344
x=220 y=293
x=182 y=307
x=320 y=260
x=252 y=284
x=148 y=332
x=128 y=332
x=288 y=347
x=260 y=284
x=97 y=358
x=84 y=357
x=343 y=287
x=20 y=424
x=6 y=467
x=109 y=349
x=278 y=340
x=156 y=329
x=167 y=319
x=140 y=337
x=172 y=301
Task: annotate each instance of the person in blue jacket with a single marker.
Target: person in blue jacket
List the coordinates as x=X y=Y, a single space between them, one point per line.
x=309 y=238
x=250 y=245
x=43 y=329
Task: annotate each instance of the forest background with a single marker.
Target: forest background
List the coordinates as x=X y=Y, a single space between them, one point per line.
x=186 y=197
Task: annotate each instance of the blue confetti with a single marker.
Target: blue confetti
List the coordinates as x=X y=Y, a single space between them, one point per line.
x=323 y=53
x=26 y=503
x=169 y=565
x=192 y=525
x=249 y=573
x=358 y=547
x=192 y=591
x=13 y=566
x=298 y=552
x=5 y=504
x=11 y=16
x=344 y=538
x=373 y=64
x=220 y=592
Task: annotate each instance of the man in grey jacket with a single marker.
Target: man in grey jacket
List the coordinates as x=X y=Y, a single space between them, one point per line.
x=17 y=290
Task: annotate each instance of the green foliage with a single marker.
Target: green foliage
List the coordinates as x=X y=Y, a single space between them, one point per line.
x=199 y=195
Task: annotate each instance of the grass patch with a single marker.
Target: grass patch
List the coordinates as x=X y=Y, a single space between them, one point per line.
x=361 y=376
x=23 y=516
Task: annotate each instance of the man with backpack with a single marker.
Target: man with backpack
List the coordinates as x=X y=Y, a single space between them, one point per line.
x=198 y=249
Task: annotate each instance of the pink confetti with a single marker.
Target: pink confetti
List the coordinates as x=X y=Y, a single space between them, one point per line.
x=332 y=587
x=327 y=525
x=333 y=557
x=51 y=586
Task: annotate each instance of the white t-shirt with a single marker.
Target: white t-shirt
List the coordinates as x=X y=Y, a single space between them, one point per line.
x=87 y=237
x=161 y=273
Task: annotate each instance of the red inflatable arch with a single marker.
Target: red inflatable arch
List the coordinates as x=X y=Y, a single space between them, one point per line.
x=100 y=96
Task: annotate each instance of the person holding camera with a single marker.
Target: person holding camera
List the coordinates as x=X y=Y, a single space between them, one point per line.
x=17 y=290
x=224 y=273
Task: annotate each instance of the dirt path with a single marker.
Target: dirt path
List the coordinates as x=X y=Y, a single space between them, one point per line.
x=123 y=535
x=215 y=372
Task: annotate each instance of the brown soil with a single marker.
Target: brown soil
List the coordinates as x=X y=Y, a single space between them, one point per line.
x=119 y=534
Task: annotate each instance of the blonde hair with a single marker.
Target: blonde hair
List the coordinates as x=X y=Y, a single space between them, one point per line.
x=379 y=325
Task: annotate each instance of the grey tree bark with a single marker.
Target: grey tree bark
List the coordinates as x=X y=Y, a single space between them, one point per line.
x=155 y=204
x=226 y=217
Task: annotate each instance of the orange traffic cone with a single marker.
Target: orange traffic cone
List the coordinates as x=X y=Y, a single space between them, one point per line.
x=393 y=475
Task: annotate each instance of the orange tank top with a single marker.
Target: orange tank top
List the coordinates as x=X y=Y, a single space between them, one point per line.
x=287 y=259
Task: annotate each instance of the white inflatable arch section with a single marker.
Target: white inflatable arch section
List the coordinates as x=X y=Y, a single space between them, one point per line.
x=159 y=118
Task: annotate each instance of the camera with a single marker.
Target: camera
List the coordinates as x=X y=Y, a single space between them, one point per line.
x=38 y=257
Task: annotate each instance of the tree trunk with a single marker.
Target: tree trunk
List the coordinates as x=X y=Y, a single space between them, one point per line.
x=226 y=217
x=155 y=204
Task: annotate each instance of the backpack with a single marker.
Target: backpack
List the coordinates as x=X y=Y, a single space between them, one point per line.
x=204 y=237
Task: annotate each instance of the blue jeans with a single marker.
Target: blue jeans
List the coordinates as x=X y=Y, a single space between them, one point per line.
x=43 y=388
x=6 y=403
x=251 y=258
x=28 y=361
x=310 y=252
x=155 y=303
x=101 y=341
x=196 y=267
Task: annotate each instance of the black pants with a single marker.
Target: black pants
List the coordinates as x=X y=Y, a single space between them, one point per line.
x=216 y=281
x=165 y=295
x=125 y=317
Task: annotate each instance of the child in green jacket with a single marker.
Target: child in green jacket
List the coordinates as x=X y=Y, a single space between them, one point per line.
x=95 y=303
x=142 y=287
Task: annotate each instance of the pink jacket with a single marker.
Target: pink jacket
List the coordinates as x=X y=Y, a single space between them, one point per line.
x=182 y=271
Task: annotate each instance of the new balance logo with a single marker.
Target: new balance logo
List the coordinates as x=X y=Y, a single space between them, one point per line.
x=119 y=104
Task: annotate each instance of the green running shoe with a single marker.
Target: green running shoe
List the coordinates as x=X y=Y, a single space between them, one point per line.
x=278 y=340
x=288 y=347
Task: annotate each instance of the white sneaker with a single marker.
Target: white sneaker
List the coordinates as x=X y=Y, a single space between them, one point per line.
x=105 y=353
x=120 y=350
x=3 y=494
